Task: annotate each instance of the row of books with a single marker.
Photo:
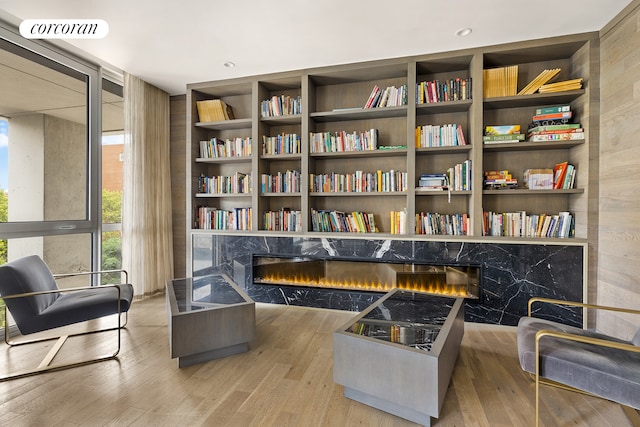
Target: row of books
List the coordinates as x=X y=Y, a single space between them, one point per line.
x=216 y=148
x=238 y=183
x=208 y=218
x=283 y=105
x=442 y=224
x=446 y=135
x=213 y=110
x=561 y=177
x=285 y=143
x=564 y=176
x=459 y=176
x=503 y=81
x=389 y=97
x=335 y=142
x=284 y=219
x=500 y=81
x=398 y=222
x=281 y=182
x=337 y=221
x=520 y=224
x=359 y=182
x=457 y=89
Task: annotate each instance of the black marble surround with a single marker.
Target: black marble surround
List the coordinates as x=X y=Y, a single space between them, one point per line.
x=511 y=273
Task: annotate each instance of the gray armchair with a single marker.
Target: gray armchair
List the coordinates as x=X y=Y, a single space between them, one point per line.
x=580 y=359
x=35 y=302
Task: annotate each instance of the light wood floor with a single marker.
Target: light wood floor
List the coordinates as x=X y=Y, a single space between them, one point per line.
x=284 y=380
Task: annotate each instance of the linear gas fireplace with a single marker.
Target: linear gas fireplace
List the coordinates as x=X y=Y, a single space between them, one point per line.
x=461 y=280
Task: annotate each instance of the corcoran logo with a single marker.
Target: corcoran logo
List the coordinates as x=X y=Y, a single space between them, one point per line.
x=64 y=28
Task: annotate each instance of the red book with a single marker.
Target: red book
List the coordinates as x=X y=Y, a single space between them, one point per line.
x=553 y=116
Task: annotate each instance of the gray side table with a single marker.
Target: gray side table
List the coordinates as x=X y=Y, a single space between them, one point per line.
x=209 y=317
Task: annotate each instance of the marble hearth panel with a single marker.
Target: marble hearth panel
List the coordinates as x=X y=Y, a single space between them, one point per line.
x=511 y=273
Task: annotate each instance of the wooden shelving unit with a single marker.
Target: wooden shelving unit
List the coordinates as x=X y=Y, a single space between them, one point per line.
x=333 y=99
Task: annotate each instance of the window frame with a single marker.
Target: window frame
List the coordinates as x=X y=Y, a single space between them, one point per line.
x=93 y=222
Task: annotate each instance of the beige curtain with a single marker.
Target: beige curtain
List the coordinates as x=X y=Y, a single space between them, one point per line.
x=147 y=242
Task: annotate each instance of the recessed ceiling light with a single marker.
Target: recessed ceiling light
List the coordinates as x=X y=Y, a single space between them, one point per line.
x=462 y=32
x=229 y=64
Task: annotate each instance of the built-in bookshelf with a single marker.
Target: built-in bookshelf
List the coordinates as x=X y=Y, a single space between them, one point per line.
x=316 y=144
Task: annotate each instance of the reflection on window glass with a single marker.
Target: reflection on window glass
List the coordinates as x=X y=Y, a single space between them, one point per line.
x=43 y=138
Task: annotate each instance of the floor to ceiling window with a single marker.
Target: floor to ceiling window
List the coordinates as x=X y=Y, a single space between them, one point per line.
x=49 y=156
x=112 y=177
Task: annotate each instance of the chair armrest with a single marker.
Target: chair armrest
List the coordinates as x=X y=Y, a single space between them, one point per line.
x=584 y=339
x=85 y=273
x=577 y=304
x=60 y=291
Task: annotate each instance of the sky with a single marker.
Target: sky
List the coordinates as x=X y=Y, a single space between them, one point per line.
x=4 y=151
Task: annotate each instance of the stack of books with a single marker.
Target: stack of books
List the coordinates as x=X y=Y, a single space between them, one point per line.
x=432 y=182
x=552 y=124
x=499 y=180
x=573 y=84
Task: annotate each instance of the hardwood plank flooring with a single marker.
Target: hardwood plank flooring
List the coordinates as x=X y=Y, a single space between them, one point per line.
x=285 y=379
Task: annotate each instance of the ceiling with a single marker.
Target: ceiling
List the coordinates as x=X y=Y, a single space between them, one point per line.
x=173 y=43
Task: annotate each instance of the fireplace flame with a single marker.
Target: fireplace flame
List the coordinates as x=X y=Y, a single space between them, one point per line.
x=417 y=285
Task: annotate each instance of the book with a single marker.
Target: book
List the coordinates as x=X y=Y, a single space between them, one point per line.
x=542 y=128
x=534 y=85
x=516 y=137
x=554 y=109
x=501 y=130
x=559 y=173
x=551 y=132
x=568 y=136
x=552 y=116
x=573 y=84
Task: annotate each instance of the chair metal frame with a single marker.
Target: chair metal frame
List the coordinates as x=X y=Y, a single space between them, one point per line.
x=572 y=337
x=45 y=365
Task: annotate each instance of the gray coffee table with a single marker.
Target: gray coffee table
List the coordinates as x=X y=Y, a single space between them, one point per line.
x=399 y=353
x=209 y=317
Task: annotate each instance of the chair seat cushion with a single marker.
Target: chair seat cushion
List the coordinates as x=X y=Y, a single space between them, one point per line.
x=80 y=306
x=610 y=373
